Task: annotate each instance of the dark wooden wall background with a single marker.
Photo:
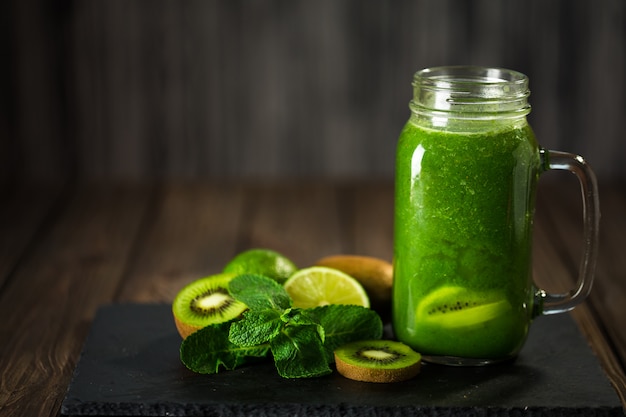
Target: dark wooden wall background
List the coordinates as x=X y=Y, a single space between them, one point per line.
x=143 y=90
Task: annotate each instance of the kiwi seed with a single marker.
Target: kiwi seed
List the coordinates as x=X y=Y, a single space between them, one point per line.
x=377 y=361
x=454 y=307
x=212 y=302
x=203 y=302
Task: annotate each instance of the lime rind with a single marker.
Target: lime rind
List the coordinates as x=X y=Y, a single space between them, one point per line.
x=317 y=286
x=262 y=261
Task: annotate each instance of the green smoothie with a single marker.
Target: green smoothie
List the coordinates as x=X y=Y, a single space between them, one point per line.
x=462 y=239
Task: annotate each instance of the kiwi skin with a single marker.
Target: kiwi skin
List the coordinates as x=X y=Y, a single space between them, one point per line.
x=188 y=321
x=184 y=329
x=404 y=365
x=376 y=276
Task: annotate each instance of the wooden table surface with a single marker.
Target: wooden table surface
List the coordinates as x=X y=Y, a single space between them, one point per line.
x=66 y=250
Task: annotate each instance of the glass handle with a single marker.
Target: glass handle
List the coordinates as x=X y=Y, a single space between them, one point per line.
x=555 y=160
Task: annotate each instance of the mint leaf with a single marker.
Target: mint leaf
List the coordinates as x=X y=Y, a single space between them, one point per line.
x=302 y=317
x=298 y=352
x=255 y=328
x=299 y=316
x=346 y=323
x=208 y=350
x=259 y=292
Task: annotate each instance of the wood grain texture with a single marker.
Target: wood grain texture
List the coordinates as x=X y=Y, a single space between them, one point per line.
x=300 y=220
x=560 y=243
x=141 y=243
x=189 y=232
x=196 y=89
x=372 y=220
x=48 y=301
x=23 y=215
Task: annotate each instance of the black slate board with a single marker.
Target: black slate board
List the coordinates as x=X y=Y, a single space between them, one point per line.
x=130 y=366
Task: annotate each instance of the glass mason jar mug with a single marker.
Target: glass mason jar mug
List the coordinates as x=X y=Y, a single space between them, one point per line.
x=467 y=166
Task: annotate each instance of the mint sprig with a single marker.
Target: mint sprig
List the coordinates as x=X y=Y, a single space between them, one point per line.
x=259 y=292
x=299 y=353
x=256 y=328
x=301 y=341
x=208 y=350
x=344 y=324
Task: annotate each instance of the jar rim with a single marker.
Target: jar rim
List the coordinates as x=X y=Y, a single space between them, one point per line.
x=471 y=91
x=468 y=74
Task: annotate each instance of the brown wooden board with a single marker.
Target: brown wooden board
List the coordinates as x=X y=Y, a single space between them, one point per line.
x=130 y=366
x=558 y=251
x=23 y=215
x=74 y=266
x=190 y=232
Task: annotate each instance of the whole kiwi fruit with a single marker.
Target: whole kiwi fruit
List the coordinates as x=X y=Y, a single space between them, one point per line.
x=377 y=361
x=204 y=302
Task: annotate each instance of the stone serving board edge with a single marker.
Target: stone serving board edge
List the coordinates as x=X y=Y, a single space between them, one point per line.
x=130 y=366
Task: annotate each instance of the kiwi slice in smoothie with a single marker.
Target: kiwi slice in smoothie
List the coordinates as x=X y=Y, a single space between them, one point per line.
x=204 y=302
x=455 y=307
x=377 y=361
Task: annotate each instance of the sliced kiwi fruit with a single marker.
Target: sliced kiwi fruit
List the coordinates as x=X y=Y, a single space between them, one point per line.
x=377 y=361
x=203 y=302
x=455 y=307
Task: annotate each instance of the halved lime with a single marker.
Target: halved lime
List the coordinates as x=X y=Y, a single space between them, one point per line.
x=318 y=286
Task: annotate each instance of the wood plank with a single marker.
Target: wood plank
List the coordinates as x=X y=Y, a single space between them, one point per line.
x=48 y=303
x=372 y=220
x=549 y=257
x=608 y=295
x=198 y=228
x=204 y=88
x=23 y=216
x=191 y=233
x=299 y=219
x=601 y=317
